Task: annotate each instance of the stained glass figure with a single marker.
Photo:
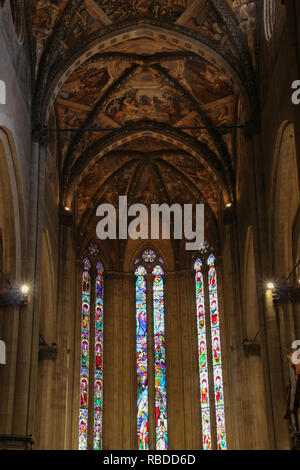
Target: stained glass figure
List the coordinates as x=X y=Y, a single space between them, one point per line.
x=98 y=398
x=203 y=364
x=142 y=360
x=160 y=360
x=84 y=369
x=216 y=352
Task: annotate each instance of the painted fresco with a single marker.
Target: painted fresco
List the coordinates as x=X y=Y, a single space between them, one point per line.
x=119 y=10
x=147 y=98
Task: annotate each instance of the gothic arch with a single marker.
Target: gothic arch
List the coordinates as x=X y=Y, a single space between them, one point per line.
x=284 y=200
x=12 y=228
x=11 y=206
x=199 y=150
x=116 y=36
x=18 y=17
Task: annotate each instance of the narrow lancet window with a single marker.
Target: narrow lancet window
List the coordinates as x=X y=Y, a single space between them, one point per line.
x=142 y=359
x=84 y=370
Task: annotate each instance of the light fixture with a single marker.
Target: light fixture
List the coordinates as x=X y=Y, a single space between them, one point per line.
x=25 y=289
x=228 y=205
x=271 y=285
x=67 y=209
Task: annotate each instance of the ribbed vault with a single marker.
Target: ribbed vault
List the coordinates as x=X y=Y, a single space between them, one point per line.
x=144 y=91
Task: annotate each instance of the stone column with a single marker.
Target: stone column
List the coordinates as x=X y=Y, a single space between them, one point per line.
x=27 y=361
x=235 y=390
x=293 y=37
x=277 y=397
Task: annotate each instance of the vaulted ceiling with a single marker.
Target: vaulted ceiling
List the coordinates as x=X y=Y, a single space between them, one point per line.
x=147 y=93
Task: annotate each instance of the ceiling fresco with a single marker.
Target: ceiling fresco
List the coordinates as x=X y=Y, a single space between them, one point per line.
x=118 y=10
x=145 y=96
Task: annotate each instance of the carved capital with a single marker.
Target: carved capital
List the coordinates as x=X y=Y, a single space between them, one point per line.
x=251 y=348
x=47 y=352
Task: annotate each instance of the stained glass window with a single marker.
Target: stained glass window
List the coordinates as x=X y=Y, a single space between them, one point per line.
x=210 y=329
x=160 y=360
x=156 y=283
x=98 y=400
x=91 y=371
x=203 y=363
x=84 y=371
x=149 y=256
x=142 y=359
x=217 y=357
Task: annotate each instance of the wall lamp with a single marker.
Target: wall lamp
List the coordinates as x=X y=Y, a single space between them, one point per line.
x=13 y=295
x=270 y=285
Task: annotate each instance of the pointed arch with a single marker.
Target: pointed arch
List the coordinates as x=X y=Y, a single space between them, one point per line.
x=150 y=129
x=284 y=200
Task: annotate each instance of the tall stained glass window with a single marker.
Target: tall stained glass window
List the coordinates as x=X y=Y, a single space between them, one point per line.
x=160 y=360
x=216 y=350
x=142 y=359
x=209 y=327
x=155 y=282
x=203 y=362
x=91 y=371
x=85 y=339
x=98 y=400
